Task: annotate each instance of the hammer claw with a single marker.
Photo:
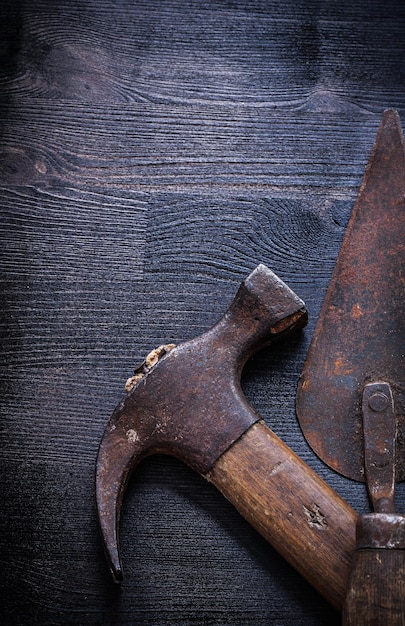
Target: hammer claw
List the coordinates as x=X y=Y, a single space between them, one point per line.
x=111 y=478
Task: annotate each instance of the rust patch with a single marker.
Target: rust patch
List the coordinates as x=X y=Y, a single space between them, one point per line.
x=356 y=311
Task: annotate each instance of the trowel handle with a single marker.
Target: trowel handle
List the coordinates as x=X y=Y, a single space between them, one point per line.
x=376 y=590
x=291 y=507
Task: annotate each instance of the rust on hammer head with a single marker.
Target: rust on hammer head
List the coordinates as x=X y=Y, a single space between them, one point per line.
x=189 y=404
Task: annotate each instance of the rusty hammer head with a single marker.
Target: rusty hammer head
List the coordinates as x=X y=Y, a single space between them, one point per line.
x=187 y=401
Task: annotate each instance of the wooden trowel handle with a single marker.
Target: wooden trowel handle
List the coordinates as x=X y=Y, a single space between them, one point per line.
x=376 y=590
x=291 y=507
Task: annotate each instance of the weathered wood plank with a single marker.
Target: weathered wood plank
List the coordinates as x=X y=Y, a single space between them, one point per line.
x=66 y=232
x=287 y=54
x=144 y=148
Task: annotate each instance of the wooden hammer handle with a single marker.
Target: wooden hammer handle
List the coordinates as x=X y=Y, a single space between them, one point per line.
x=291 y=507
x=376 y=590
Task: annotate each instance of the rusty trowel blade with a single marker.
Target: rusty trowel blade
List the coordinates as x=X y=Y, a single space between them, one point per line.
x=360 y=334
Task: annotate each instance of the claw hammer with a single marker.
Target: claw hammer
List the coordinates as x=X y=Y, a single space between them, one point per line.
x=187 y=401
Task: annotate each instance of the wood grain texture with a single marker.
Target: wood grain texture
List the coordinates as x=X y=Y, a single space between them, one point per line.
x=147 y=147
x=152 y=154
x=288 y=55
x=376 y=592
x=289 y=506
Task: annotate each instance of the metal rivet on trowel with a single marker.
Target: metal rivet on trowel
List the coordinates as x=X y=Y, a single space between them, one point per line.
x=378 y=402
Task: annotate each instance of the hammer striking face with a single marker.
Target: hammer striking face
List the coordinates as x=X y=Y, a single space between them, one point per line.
x=187 y=402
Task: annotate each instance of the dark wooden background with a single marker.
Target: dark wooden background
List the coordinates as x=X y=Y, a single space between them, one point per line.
x=152 y=154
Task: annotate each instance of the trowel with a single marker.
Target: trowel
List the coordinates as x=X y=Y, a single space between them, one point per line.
x=351 y=394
